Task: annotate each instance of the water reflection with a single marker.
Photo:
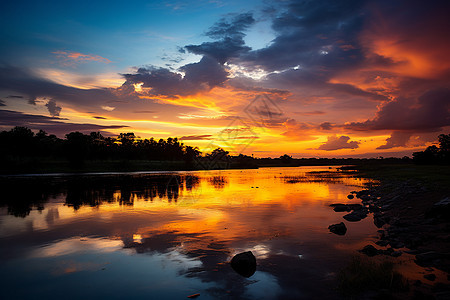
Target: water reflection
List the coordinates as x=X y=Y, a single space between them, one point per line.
x=22 y=195
x=172 y=235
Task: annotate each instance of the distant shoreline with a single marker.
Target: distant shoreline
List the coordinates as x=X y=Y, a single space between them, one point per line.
x=32 y=166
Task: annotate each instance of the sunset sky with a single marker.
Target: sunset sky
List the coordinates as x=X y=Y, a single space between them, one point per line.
x=308 y=78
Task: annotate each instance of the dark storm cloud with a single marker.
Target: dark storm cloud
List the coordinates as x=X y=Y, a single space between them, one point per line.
x=429 y=112
x=408 y=117
x=318 y=41
x=355 y=91
x=201 y=76
x=316 y=82
x=233 y=27
x=311 y=34
x=229 y=35
x=336 y=143
x=207 y=71
x=23 y=81
x=247 y=84
x=221 y=50
x=52 y=125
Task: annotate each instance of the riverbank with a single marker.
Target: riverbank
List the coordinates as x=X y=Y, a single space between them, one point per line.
x=411 y=206
x=35 y=165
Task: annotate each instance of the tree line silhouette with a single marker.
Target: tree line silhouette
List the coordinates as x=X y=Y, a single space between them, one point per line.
x=77 y=147
x=434 y=154
x=22 y=150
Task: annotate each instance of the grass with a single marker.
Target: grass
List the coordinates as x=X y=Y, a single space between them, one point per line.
x=432 y=176
x=364 y=275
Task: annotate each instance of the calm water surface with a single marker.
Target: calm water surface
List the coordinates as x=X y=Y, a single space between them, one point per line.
x=170 y=235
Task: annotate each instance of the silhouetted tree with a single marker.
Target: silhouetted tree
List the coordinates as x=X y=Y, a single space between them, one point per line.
x=77 y=148
x=218 y=157
x=286 y=158
x=190 y=154
x=434 y=154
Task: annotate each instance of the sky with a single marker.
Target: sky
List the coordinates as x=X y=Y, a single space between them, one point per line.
x=320 y=78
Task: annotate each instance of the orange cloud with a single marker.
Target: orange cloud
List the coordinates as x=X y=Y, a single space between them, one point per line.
x=411 y=44
x=70 y=58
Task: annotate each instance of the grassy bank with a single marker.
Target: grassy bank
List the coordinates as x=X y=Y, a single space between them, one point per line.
x=432 y=176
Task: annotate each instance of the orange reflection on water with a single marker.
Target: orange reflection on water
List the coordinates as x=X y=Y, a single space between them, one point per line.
x=203 y=218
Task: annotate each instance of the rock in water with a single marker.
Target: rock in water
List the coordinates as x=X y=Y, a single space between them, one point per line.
x=341 y=208
x=356 y=215
x=339 y=229
x=244 y=264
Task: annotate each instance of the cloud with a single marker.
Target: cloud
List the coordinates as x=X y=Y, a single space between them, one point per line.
x=429 y=112
x=198 y=77
x=309 y=113
x=144 y=112
x=204 y=75
x=337 y=143
x=309 y=34
x=411 y=39
x=326 y=126
x=353 y=52
x=196 y=137
x=207 y=71
x=263 y=111
x=70 y=58
x=397 y=139
x=408 y=139
x=31 y=86
x=229 y=34
x=298 y=131
x=2 y=103
x=53 y=109
x=100 y=118
x=108 y=108
x=344 y=59
x=410 y=117
x=53 y=125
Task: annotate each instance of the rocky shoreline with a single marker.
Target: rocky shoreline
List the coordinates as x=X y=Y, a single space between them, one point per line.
x=413 y=217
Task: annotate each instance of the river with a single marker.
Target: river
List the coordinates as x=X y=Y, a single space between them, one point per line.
x=170 y=235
